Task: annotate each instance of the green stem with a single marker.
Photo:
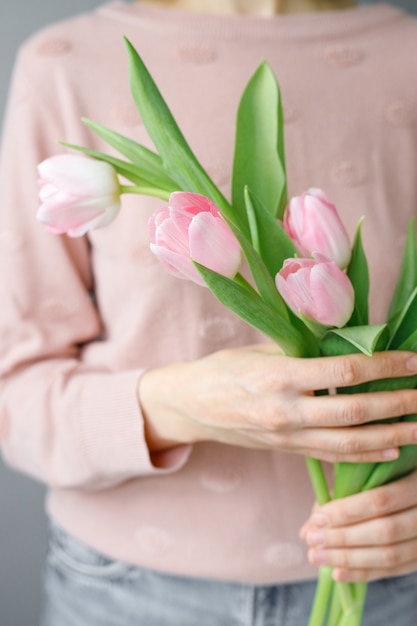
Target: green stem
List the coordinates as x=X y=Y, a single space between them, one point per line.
x=335 y=610
x=145 y=191
x=324 y=589
x=318 y=480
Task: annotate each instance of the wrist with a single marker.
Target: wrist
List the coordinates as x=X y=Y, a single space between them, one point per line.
x=164 y=425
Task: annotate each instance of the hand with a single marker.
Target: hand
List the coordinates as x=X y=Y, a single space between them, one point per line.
x=367 y=536
x=256 y=397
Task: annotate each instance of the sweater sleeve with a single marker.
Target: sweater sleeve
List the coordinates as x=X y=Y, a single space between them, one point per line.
x=61 y=421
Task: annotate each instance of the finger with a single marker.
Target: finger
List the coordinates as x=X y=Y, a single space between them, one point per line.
x=389 y=558
x=348 y=370
x=354 y=410
x=375 y=443
x=368 y=575
x=379 y=502
x=378 y=532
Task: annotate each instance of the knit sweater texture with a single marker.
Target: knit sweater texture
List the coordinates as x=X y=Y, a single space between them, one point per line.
x=82 y=319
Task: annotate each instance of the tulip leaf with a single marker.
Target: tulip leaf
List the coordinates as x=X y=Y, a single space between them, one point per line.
x=350 y=478
x=407 y=278
x=136 y=153
x=179 y=161
x=404 y=324
x=252 y=221
x=130 y=171
x=263 y=280
x=358 y=274
x=410 y=343
x=259 y=160
x=250 y=307
x=366 y=339
x=274 y=244
x=389 y=471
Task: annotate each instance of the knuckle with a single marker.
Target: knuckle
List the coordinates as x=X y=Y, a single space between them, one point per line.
x=380 y=502
x=394 y=440
x=347 y=372
x=353 y=413
x=347 y=446
x=390 y=557
x=388 y=531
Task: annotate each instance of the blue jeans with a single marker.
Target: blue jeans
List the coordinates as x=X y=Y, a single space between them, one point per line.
x=86 y=588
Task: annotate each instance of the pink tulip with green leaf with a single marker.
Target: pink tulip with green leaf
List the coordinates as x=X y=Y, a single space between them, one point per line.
x=317 y=309
x=189 y=229
x=317 y=290
x=314 y=225
x=77 y=194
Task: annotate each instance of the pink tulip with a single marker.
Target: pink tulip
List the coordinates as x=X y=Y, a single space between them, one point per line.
x=78 y=194
x=190 y=229
x=314 y=225
x=318 y=289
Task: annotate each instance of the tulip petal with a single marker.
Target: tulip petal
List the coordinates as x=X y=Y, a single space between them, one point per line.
x=186 y=200
x=79 y=175
x=333 y=295
x=213 y=245
x=177 y=264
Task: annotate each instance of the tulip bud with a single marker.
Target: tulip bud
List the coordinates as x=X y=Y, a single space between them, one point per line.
x=318 y=289
x=314 y=225
x=191 y=229
x=77 y=194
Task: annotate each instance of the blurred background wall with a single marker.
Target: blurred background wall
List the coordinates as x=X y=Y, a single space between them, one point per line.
x=22 y=520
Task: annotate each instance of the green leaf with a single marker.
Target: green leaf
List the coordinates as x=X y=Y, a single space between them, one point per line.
x=179 y=161
x=366 y=339
x=407 y=279
x=274 y=244
x=358 y=273
x=410 y=343
x=252 y=221
x=389 y=471
x=147 y=160
x=263 y=280
x=259 y=145
x=350 y=478
x=128 y=170
x=405 y=322
x=250 y=307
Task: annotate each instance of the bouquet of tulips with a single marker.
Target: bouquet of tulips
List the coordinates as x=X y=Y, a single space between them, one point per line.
x=308 y=286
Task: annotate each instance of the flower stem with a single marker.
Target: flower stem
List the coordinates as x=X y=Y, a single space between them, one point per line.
x=318 y=480
x=324 y=590
x=145 y=191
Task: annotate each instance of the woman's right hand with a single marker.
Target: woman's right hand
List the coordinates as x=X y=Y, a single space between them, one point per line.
x=258 y=398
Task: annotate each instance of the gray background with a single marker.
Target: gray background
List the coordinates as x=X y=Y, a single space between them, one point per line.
x=22 y=520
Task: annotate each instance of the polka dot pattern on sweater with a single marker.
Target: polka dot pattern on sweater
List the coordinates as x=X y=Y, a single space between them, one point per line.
x=284 y=554
x=218 y=328
x=401 y=113
x=342 y=55
x=152 y=540
x=54 y=46
x=198 y=53
x=221 y=480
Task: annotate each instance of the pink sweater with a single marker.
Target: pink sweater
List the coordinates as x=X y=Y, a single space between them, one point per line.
x=81 y=319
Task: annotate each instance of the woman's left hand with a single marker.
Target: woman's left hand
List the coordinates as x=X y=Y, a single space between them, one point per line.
x=367 y=536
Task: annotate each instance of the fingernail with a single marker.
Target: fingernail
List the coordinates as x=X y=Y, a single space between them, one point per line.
x=319 y=519
x=411 y=364
x=391 y=454
x=315 y=538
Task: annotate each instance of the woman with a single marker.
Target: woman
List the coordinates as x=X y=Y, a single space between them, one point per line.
x=170 y=434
